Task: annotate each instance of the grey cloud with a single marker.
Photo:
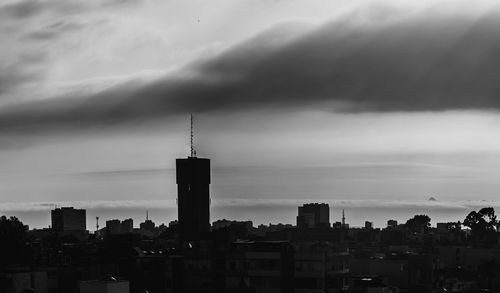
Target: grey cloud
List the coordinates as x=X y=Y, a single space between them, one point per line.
x=42 y=35
x=23 y=9
x=29 y=8
x=14 y=75
x=256 y=202
x=415 y=63
x=55 y=30
x=114 y=3
x=25 y=69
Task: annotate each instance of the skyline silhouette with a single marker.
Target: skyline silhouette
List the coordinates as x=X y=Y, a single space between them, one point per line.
x=191 y=255
x=340 y=146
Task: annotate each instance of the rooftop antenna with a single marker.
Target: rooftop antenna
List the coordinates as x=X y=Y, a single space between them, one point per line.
x=343 y=217
x=97 y=223
x=147 y=215
x=193 y=152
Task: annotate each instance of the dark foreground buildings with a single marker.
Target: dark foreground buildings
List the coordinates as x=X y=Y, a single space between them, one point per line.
x=234 y=256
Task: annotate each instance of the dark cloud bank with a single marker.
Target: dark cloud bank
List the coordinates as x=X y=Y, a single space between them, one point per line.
x=413 y=63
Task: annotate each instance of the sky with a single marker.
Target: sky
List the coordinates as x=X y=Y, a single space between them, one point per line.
x=324 y=100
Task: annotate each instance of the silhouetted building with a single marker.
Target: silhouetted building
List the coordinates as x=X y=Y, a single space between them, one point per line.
x=442 y=226
x=147 y=225
x=148 y=228
x=113 y=226
x=337 y=225
x=368 y=225
x=219 y=224
x=68 y=219
x=314 y=215
x=193 y=197
x=127 y=226
x=392 y=223
x=117 y=227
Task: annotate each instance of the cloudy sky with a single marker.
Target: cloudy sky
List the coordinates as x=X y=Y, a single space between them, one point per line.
x=292 y=99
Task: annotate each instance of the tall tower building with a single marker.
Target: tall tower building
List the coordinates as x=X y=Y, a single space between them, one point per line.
x=193 y=195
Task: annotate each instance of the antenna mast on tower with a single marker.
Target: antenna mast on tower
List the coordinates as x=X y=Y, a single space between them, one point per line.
x=193 y=152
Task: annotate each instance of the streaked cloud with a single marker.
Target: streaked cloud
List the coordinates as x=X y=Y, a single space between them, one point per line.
x=368 y=60
x=54 y=30
x=269 y=203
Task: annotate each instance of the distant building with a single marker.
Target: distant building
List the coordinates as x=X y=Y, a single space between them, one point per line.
x=442 y=226
x=113 y=226
x=117 y=227
x=68 y=219
x=368 y=225
x=127 y=226
x=147 y=225
x=313 y=215
x=193 y=197
x=106 y=285
x=229 y=231
x=219 y=224
x=392 y=223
